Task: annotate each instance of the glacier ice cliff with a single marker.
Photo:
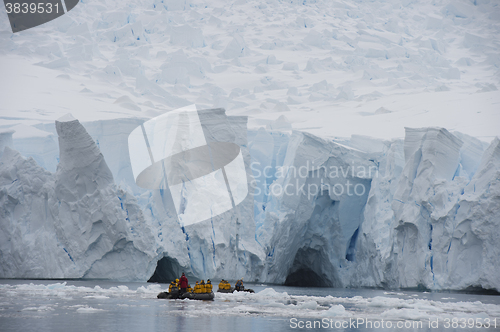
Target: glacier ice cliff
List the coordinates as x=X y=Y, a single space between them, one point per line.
x=422 y=212
x=429 y=223
x=72 y=224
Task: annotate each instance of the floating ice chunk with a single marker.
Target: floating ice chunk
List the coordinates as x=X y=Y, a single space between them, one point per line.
x=336 y=310
x=409 y=314
x=88 y=310
x=97 y=297
x=310 y=305
x=271 y=293
x=40 y=308
x=428 y=307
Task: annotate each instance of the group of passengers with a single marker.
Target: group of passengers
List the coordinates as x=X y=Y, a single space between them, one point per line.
x=182 y=286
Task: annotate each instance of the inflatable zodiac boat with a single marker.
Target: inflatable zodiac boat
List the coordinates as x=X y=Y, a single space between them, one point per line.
x=192 y=296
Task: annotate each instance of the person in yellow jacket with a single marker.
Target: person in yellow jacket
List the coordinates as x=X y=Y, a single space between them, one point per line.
x=189 y=289
x=177 y=283
x=221 y=284
x=171 y=286
x=202 y=285
x=227 y=285
x=208 y=286
x=197 y=288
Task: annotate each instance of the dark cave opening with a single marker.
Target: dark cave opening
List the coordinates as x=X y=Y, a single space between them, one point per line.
x=305 y=277
x=311 y=268
x=167 y=270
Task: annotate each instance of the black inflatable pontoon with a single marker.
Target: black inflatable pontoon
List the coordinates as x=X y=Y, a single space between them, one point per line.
x=192 y=296
x=226 y=290
x=233 y=289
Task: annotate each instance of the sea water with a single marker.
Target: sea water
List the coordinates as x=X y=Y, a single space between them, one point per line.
x=74 y=305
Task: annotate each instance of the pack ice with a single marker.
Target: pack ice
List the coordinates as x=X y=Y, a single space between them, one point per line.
x=419 y=212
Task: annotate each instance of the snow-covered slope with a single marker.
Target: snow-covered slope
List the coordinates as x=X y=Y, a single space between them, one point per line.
x=309 y=86
x=334 y=68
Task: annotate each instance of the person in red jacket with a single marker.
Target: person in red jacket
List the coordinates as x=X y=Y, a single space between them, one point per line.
x=183 y=281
